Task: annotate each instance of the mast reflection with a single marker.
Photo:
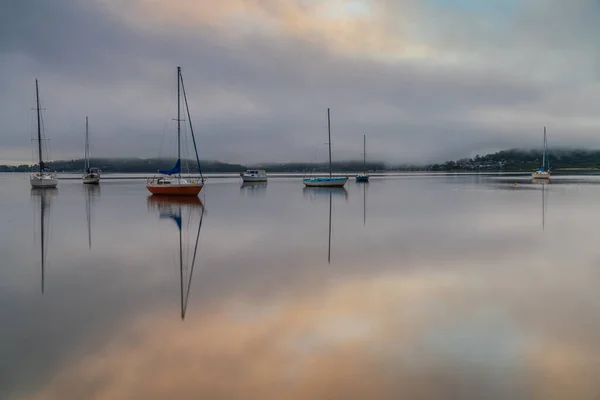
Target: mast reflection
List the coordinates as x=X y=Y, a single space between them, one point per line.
x=91 y=193
x=543 y=207
x=183 y=211
x=315 y=193
x=42 y=199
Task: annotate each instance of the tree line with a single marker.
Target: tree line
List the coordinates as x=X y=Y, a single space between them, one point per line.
x=152 y=165
x=506 y=160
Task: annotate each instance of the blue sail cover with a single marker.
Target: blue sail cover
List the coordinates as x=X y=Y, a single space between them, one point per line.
x=175 y=170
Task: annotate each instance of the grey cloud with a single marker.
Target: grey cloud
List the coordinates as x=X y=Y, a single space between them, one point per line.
x=258 y=98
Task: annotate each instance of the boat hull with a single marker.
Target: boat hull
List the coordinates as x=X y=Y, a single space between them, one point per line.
x=43 y=182
x=325 y=182
x=254 y=179
x=175 y=189
x=540 y=175
x=91 y=180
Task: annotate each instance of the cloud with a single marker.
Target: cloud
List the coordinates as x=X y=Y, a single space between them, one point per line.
x=424 y=79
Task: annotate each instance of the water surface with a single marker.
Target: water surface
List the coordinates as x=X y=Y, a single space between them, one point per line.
x=414 y=286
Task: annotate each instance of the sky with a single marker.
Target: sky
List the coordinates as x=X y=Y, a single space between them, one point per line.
x=425 y=80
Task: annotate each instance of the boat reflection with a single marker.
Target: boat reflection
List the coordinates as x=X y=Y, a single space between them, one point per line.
x=187 y=212
x=330 y=207
x=543 y=183
x=364 y=190
x=42 y=200
x=91 y=193
x=253 y=188
x=540 y=181
x=315 y=192
x=543 y=207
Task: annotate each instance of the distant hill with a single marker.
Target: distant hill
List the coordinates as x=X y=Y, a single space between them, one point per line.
x=126 y=165
x=506 y=160
x=524 y=160
x=152 y=165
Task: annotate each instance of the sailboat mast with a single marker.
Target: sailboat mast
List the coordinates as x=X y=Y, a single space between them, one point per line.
x=329 y=133
x=87 y=146
x=364 y=150
x=546 y=148
x=179 y=118
x=39 y=126
x=544 y=155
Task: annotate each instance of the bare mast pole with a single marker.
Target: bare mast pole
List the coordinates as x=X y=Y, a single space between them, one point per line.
x=39 y=127
x=179 y=120
x=329 y=133
x=87 y=146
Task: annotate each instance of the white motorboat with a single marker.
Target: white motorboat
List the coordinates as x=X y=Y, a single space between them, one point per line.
x=254 y=175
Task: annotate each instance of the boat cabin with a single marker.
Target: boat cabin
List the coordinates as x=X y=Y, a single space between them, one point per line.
x=256 y=172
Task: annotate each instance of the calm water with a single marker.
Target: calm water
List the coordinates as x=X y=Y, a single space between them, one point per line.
x=458 y=287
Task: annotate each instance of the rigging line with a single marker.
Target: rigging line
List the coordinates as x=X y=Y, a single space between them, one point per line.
x=309 y=171
x=32 y=123
x=45 y=140
x=187 y=108
x=189 y=286
x=185 y=160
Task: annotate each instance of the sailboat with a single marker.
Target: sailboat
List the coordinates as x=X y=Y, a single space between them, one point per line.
x=363 y=176
x=544 y=171
x=90 y=175
x=170 y=182
x=171 y=207
x=42 y=178
x=44 y=195
x=330 y=181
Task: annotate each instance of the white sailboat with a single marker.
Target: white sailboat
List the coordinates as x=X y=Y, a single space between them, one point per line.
x=43 y=178
x=90 y=175
x=330 y=181
x=544 y=171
